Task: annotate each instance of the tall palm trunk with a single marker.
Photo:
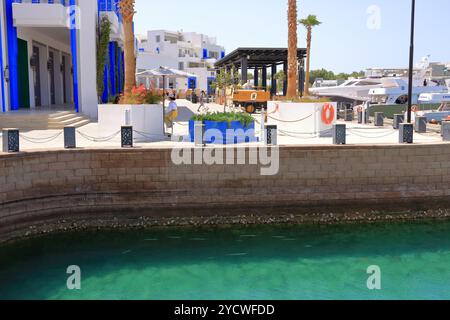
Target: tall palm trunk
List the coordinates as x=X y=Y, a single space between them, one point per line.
x=127 y=9
x=292 y=50
x=308 y=59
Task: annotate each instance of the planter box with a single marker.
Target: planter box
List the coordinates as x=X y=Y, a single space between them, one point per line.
x=225 y=133
x=147 y=119
x=301 y=118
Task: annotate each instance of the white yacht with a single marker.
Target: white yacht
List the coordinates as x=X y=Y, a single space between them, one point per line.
x=435 y=98
x=395 y=90
x=390 y=86
x=353 y=89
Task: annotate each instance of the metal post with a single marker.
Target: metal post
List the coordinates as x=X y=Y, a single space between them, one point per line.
x=348 y=115
x=285 y=82
x=264 y=77
x=11 y=140
x=301 y=79
x=271 y=138
x=164 y=105
x=244 y=70
x=406 y=133
x=339 y=134
x=69 y=138
x=274 y=80
x=421 y=124
x=445 y=130
x=411 y=61
x=379 y=119
x=199 y=133
x=256 y=77
x=360 y=117
x=127 y=137
x=398 y=119
x=263 y=123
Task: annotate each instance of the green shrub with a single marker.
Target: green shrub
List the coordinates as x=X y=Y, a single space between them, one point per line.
x=229 y=117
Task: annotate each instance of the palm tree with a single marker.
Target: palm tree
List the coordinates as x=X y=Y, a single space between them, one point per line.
x=127 y=10
x=292 y=49
x=309 y=22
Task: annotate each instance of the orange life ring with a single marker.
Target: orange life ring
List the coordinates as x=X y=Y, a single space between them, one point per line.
x=328 y=113
x=415 y=109
x=360 y=109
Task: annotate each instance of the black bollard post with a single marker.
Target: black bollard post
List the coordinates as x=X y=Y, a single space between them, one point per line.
x=69 y=138
x=11 y=140
x=127 y=136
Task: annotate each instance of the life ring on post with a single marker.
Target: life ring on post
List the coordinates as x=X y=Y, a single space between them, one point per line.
x=328 y=113
x=415 y=109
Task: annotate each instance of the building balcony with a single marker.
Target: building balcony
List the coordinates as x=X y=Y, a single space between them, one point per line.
x=41 y=13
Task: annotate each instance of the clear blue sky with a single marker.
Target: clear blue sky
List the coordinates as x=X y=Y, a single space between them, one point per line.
x=343 y=43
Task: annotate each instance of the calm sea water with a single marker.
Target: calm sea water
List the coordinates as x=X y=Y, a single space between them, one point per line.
x=277 y=262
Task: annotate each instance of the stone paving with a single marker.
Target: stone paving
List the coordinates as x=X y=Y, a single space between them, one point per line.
x=89 y=136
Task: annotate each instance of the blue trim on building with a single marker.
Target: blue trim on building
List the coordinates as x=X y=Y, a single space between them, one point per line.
x=2 y=76
x=119 y=69
x=205 y=53
x=74 y=49
x=13 y=53
x=112 y=68
x=210 y=87
x=192 y=83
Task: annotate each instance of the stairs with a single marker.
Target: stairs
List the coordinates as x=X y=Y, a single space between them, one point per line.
x=55 y=120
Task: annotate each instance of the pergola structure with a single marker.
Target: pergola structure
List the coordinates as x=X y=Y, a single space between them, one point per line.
x=260 y=59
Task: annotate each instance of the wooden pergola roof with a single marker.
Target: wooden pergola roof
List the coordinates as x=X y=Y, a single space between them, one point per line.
x=258 y=57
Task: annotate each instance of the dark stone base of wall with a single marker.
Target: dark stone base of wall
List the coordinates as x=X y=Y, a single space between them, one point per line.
x=105 y=212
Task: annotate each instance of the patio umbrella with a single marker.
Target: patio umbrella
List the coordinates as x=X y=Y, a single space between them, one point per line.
x=165 y=73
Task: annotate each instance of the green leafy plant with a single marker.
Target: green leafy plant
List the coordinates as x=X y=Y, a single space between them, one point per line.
x=102 y=50
x=226 y=79
x=229 y=117
x=280 y=77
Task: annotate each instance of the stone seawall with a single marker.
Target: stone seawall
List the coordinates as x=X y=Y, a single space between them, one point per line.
x=117 y=184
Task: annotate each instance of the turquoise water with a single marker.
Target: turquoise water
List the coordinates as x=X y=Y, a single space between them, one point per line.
x=276 y=262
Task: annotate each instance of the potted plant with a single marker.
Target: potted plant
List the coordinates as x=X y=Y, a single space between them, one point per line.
x=225 y=127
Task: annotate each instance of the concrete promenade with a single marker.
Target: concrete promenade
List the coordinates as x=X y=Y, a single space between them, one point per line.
x=89 y=135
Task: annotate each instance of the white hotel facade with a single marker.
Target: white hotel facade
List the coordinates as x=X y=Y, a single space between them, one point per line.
x=189 y=51
x=48 y=54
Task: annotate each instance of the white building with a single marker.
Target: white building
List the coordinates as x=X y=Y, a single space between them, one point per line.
x=189 y=51
x=48 y=54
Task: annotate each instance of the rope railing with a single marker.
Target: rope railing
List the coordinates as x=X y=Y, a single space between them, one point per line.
x=98 y=139
x=40 y=140
x=362 y=135
x=146 y=135
x=291 y=121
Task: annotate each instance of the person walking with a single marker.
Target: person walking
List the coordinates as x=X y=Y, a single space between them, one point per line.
x=202 y=101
